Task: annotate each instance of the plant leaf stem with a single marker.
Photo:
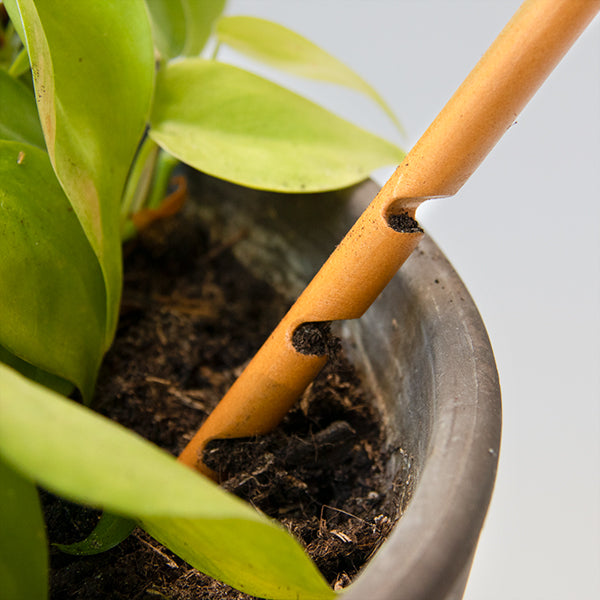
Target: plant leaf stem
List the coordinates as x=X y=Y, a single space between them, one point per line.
x=163 y=171
x=20 y=64
x=139 y=180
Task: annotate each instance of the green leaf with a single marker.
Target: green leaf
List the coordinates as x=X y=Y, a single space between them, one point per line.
x=200 y=18
x=19 y=120
x=285 y=49
x=13 y=13
x=253 y=557
x=168 y=26
x=52 y=297
x=93 y=70
x=20 y=65
x=182 y=27
x=58 y=384
x=108 y=533
x=9 y=44
x=23 y=548
x=87 y=458
x=237 y=126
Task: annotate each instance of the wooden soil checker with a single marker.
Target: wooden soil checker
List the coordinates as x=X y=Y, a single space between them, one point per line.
x=468 y=127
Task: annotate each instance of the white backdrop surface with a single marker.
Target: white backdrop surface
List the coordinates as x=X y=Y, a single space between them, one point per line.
x=524 y=234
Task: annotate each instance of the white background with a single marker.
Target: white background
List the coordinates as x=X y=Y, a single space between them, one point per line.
x=524 y=234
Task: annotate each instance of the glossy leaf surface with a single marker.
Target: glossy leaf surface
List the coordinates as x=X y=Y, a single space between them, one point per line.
x=285 y=49
x=55 y=441
x=182 y=27
x=109 y=532
x=23 y=548
x=93 y=69
x=237 y=126
x=19 y=119
x=52 y=297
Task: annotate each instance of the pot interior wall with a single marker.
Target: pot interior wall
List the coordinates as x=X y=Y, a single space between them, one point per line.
x=424 y=352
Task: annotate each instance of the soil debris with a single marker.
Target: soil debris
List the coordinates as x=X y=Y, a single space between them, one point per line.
x=404 y=223
x=191 y=318
x=315 y=338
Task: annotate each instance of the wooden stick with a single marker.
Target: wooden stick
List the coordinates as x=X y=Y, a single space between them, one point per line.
x=468 y=127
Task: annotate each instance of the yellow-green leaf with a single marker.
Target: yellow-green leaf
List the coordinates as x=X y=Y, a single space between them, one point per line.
x=13 y=13
x=20 y=65
x=200 y=18
x=23 y=548
x=182 y=27
x=93 y=70
x=238 y=126
x=168 y=26
x=89 y=459
x=285 y=49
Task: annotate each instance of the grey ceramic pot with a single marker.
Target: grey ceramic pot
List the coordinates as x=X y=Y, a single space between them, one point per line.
x=423 y=350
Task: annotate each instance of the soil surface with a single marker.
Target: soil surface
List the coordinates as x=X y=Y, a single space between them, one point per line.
x=191 y=318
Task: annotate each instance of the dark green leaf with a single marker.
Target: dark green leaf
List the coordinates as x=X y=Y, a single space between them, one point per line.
x=62 y=386
x=108 y=533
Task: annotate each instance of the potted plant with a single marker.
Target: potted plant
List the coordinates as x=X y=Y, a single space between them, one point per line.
x=75 y=180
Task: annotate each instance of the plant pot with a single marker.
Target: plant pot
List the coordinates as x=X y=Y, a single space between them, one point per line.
x=424 y=352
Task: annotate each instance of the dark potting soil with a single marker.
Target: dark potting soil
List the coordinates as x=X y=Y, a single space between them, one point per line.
x=404 y=223
x=191 y=317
